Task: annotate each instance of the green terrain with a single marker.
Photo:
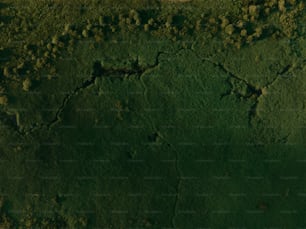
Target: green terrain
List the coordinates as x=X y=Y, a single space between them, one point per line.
x=152 y=114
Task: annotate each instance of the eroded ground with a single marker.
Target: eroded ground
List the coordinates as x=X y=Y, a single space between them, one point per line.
x=152 y=114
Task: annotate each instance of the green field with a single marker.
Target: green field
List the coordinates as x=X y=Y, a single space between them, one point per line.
x=152 y=114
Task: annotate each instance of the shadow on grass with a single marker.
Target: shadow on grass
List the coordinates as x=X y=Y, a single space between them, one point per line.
x=5 y=55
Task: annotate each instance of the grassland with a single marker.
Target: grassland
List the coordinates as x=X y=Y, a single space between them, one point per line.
x=152 y=114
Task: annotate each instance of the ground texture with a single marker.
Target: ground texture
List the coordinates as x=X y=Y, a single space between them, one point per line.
x=152 y=114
